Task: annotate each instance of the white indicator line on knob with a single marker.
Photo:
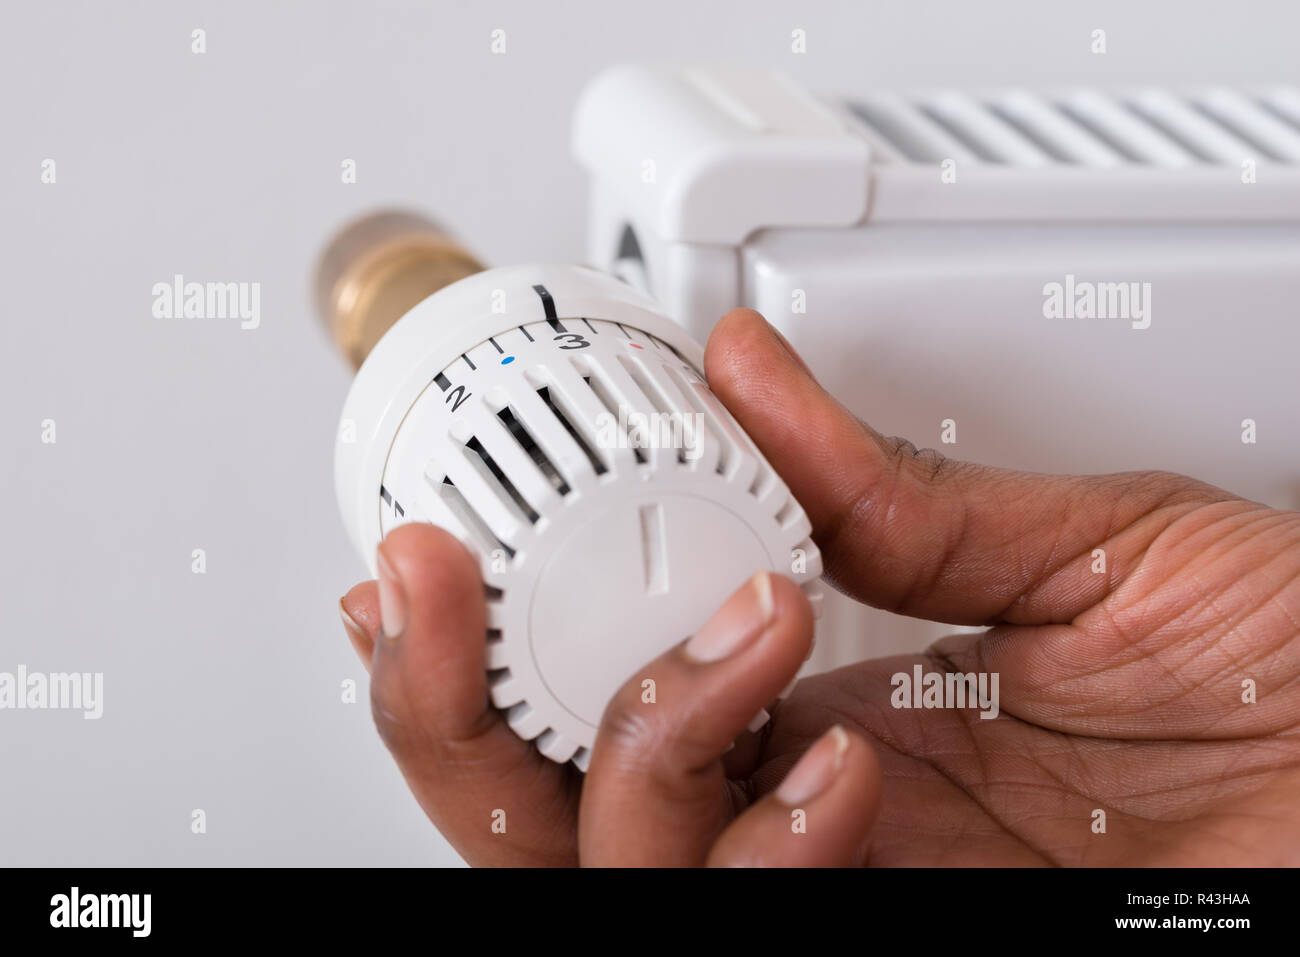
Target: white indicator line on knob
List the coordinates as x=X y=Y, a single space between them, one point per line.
x=652 y=549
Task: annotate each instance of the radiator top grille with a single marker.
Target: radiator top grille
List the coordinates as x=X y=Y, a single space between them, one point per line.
x=1085 y=128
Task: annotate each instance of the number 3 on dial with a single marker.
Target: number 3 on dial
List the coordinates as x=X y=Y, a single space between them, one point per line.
x=573 y=340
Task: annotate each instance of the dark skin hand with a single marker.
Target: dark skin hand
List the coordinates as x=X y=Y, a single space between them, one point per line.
x=1120 y=691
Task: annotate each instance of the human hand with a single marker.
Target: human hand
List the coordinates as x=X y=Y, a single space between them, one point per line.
x=1120 y=691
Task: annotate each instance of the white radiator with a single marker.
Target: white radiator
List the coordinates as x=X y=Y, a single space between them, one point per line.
x=1081 y=281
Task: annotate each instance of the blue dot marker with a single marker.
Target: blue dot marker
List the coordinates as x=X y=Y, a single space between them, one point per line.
x=507 y=360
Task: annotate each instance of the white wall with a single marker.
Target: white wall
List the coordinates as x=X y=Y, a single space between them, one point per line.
x=222 y=690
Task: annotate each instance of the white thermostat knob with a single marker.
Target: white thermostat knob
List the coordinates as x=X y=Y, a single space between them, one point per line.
x=556 y=423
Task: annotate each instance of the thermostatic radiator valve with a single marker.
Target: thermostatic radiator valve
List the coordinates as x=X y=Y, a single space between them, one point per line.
x=552 y=419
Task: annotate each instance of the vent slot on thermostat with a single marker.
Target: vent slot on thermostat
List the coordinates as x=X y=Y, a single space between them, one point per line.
x=469 y=518
x=534 y=451
x=602 y=393
x=663 y=402
x=482 y=456
x=566 y=420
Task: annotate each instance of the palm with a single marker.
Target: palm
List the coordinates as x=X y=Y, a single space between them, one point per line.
x=964 y=791
x=1135 y=708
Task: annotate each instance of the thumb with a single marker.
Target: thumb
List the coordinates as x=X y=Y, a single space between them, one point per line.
x=916 y=533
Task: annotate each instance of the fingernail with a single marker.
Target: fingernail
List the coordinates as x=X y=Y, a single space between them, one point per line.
x=816 y=770
x=392 y=599
x=355 y=631
x=736 y=624
x=356 y=635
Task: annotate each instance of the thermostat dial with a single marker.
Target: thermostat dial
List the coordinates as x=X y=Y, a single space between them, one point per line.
x=556 y=423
